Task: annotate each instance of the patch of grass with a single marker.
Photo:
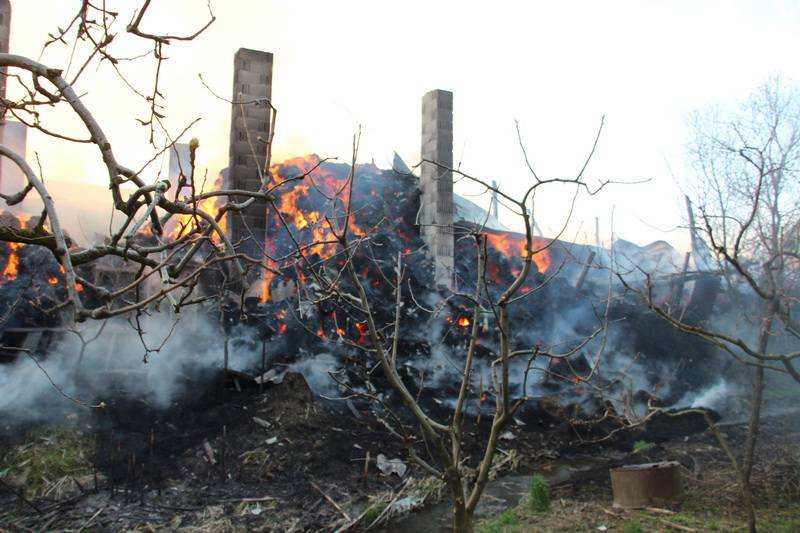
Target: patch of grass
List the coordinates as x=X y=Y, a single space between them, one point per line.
x=505 y=522
x=372 y=514
x=642 y=445
x=632 y=526
x=780 y=525
x=45 y=458
x=539 y=494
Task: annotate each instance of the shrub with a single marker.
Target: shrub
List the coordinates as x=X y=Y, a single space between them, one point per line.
x=539 y=495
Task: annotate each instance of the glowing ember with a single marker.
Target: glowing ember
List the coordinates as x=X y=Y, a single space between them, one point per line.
x=52 y=281
x=362 y=332
x=463 y=322
x=282 y=328
x=320 y=333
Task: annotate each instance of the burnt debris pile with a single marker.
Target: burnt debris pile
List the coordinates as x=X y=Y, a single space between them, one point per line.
x=582 y=358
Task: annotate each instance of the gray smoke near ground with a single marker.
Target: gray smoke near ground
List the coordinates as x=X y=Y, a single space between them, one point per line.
x=113 y=364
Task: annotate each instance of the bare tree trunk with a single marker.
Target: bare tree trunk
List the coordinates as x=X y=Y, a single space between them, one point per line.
x=758 y=393
x=462 y=519
x=744 y=485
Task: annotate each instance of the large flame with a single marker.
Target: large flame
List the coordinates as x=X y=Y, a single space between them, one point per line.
x=309 y=206
x=11 y=270
x=514 y=245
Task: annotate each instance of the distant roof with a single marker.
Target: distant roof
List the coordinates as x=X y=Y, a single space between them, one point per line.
x=468 y=211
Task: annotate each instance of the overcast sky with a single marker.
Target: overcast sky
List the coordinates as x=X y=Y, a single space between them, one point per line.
x=556 y=67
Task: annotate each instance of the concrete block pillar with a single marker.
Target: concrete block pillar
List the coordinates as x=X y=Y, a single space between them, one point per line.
x=250 y=124
x=13 y=135
x=179 y=163
x=436 y=184
x=5 y=37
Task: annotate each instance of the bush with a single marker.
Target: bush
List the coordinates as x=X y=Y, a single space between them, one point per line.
x=539 y=495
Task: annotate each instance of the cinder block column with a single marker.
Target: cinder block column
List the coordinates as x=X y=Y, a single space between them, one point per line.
x=252 y=85
x=10 y=175
x=436 y=184
x=5 y=37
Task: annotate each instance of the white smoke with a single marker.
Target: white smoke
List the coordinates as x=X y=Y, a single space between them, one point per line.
x=316 y=371
x=189 y=349
x=714 y=397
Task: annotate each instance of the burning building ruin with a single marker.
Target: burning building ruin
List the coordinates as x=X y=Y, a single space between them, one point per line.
x=395 y=217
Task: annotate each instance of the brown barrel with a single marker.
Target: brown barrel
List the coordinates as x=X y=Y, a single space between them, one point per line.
x=645 y=485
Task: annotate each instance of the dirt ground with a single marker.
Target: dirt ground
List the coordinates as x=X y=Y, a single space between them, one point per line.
x=239 y=459
x=711 y=500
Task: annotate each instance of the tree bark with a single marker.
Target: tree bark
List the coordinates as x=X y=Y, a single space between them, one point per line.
x=462 y=519
x=756 y=400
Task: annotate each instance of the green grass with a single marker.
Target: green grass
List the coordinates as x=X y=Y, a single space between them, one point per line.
x=373 y=513
x=45 y=458
x=632 y=526
x=539 y=494
x=505 y=522
x=780 y=525
x=586 y=517
x=642 y=445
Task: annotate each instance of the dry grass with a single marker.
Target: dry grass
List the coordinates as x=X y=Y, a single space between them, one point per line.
x=48 y=463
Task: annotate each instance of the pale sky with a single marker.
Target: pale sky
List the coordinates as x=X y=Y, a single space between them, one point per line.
x=557 y=67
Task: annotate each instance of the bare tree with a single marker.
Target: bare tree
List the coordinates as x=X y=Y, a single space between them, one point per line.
x=445 y=439
x=748 y=198
x=171 y=263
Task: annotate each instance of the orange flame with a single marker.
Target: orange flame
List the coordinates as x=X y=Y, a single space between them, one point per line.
x=268 y=275
x=463 y=322
x=311 y=228
x=514 y=245
x=178 y=223
x=305 y=219
x=12 y=266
